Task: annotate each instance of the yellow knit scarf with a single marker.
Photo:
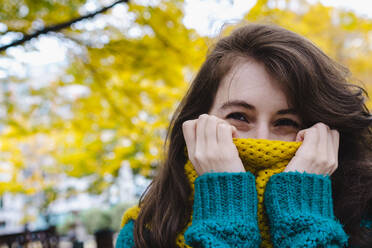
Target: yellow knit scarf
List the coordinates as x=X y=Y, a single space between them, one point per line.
x=263 y=158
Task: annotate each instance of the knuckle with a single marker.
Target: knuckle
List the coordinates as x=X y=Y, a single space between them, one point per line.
x=210 y=156
x=203 y=116
x=311 y=129
x=335 y=132
x=186 y=124
x=331 y=167
x=323 y=162
x=309 y=157
x=223 y=127
x=322 y=125
x=306 y=157
x=212 y=117
x=312 y=132
x=220 y=120
x=332 y=162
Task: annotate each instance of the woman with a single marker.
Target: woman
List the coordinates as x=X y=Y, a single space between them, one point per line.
x=259 y=86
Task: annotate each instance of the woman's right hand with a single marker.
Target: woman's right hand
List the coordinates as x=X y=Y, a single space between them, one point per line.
x=210 y=146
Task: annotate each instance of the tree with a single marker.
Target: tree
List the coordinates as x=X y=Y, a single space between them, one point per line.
x=127 y=71
x=131 y=76
x=342 y=34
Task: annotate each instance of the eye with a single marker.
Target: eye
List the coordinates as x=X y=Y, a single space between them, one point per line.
x=237 y=116
x=287 y=122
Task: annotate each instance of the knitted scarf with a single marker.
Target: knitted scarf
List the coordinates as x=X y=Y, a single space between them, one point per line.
x=263 y=158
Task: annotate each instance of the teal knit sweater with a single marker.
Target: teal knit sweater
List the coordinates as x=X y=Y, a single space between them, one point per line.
x=299 y=207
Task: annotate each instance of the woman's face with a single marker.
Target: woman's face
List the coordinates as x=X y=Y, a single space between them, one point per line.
x=249 y=99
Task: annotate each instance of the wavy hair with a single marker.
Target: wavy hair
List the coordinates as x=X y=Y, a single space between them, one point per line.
x=319 y=89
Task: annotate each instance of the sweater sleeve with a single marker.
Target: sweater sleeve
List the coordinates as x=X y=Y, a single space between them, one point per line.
x=224 y=211
x=125 y=237
x=300 y=210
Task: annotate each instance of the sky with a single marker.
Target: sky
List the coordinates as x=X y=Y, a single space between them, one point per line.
x=222 y=11
x=219 y=12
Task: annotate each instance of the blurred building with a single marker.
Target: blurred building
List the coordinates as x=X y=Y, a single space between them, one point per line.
x=17 y=209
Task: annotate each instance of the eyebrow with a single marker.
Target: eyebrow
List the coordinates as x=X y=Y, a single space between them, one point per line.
x=246 y=105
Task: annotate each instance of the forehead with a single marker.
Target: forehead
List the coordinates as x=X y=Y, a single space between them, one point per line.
x=249 y=81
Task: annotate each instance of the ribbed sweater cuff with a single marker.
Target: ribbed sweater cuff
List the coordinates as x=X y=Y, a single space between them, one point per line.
x=225 y=195
x=291 y=192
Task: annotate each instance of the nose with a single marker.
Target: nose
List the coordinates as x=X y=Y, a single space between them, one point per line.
x=261 y=131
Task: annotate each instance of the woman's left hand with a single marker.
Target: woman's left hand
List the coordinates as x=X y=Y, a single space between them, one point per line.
x=318 y=153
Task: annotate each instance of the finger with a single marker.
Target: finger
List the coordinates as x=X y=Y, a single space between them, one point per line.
x=331 y=152
x=224 y=133
x=200 y=133
x=211 y=132
x=336 y=143
x=322 y=143
x=189 y=130
x=234 y=130
x=310 y=141
x=325 y=154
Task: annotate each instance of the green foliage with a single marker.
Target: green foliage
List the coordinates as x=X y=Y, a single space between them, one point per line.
x=20 y=15
x=96 y=219
x=132 y=85
x=67 y=225
x=116 y=213
x=341 y=34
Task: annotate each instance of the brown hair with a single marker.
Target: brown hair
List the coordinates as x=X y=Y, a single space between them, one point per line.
x=316 y=86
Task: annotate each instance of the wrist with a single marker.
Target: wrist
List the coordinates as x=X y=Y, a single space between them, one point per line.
x=225 y=195
x=300 y=192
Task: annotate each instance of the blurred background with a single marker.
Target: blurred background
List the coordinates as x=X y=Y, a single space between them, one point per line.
x=87 y=89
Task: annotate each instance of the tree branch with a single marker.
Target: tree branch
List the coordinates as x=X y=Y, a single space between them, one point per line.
x=57 y=27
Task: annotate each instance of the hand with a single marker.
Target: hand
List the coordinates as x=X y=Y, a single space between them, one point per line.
x=210 y=146
x=318 y=153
